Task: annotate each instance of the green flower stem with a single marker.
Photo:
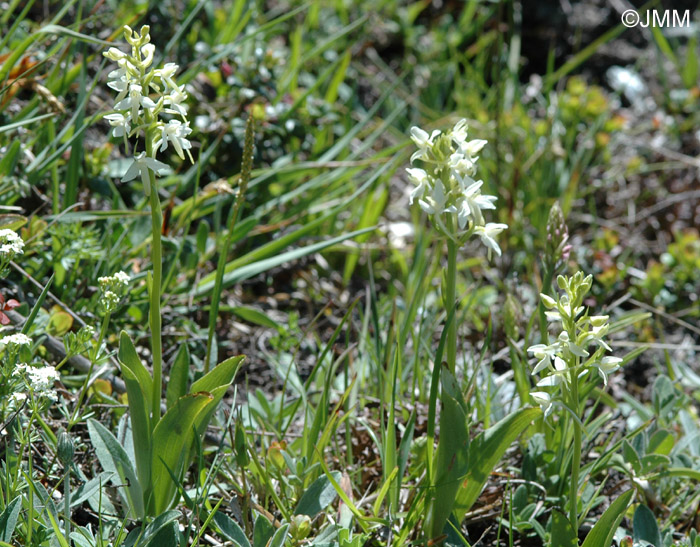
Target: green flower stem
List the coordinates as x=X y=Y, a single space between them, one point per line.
x=576 y=460
x=450 y=297
x=157 y=260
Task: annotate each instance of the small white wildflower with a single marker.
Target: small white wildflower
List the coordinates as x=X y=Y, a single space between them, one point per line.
x=436 y=204
x=544 y=400
x=121 y=125
x=423 y=141
x=487 y=234
x=140 y=166
x=166 y=74
x=545 y=354
x=15 y=340
x=175 y=100
x=42 y=378
x=122 y=278
x=471 y=148
x=114 y=54
x=420 y=177
x=147 y=50
x=607 y=365
x=135 y=101
x=559 y=373
x=175 y=132
x=11 y=244
x=471 y=202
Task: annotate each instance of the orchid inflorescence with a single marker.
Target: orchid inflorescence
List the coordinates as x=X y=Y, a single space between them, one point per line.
x=143 y=96
x=444 y=184
x=567 y=359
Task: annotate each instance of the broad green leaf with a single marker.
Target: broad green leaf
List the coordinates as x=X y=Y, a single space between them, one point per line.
x=82 y=541
x=230 y=529
x=485 y=452
x=221 y=375
x=164 y=537
x=162 y=531
x=452 y=456
x=644 y=526
x=11 y=221
x=318 y=496
x=114 y=459
x=204 y=417
x=280 y=536
x=661 y=442
x=254 y=316
x=602 y=533
x=129 y=358
x=8 y=519
x=172 y=438
x=262 y=531
x=177 y=383
x=140 y=425
x=563 y=534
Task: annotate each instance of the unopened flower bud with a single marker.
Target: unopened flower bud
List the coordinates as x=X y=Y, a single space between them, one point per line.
x=556 y=247
x=511 y=317
x=65 y=448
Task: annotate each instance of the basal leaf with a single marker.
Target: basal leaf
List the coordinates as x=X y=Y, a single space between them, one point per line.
x=485 y=452
x=230 y=529
x=563 y=534
x=319 y=495
x=140 y=425
x=602 y=533
x=130 y=359
x=8 y=519
x=644 y=526
x=177 y=384
x=113 y=458
x=221 y=375
x=452 y=456
x=172 y=438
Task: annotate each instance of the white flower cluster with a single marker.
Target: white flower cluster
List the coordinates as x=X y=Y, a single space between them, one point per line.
x=135 y=108
x=567 y=359
x=444 y=186
x=38 y=380
x=11 y=245
x=113 y=288
x=14 y=341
